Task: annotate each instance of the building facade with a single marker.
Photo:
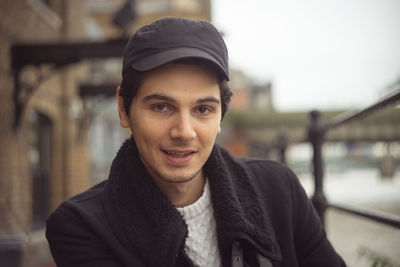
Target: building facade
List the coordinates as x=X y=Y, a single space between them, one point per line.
x=46 y=158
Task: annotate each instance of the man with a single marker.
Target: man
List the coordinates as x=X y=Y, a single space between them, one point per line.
x=174 y=197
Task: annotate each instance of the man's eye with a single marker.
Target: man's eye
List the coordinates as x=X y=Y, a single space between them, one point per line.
x=160 y=107
x=203 y=110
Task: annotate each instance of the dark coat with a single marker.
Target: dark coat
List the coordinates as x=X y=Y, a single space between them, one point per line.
x=128 y=221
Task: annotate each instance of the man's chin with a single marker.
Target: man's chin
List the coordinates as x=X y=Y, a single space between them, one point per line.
x=178 y=179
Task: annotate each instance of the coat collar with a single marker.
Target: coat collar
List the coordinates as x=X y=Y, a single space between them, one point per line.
x=148 y=224
x=237 y=206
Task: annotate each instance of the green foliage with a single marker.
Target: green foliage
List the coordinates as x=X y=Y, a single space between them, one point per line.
x=376 y=259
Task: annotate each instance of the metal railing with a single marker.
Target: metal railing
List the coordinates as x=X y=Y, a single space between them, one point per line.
x=316 y=134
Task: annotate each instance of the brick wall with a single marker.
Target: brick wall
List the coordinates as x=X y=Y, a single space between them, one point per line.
x=24 y=21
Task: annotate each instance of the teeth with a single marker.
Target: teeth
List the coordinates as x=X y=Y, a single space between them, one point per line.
x=176 y=154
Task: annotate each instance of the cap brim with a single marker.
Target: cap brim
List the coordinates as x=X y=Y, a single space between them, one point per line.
x=167 y=56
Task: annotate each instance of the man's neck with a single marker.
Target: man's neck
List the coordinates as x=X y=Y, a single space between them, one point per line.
x=183 y=194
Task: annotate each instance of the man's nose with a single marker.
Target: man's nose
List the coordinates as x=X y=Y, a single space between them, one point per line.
x=183 y=127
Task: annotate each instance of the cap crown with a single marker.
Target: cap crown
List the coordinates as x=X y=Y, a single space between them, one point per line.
x=169 y=39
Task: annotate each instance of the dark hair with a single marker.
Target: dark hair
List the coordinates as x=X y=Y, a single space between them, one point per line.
x=132 y=80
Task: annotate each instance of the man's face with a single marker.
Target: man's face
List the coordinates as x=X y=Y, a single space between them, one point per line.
x=175 y=118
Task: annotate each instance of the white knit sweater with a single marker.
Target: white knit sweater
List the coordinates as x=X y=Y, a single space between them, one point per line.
x=201 y=244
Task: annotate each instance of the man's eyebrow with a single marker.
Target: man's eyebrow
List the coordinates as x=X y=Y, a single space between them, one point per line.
x=209 y=99
x=159 y=97
x=172 y=100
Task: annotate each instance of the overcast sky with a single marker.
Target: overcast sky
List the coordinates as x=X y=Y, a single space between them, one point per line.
x=325 y=54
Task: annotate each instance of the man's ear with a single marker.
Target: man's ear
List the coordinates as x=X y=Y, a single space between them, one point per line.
x=123 y=117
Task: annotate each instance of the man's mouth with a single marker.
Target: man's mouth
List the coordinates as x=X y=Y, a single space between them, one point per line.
x=178 y=154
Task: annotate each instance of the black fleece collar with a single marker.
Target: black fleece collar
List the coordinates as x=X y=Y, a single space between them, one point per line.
x=151 y=227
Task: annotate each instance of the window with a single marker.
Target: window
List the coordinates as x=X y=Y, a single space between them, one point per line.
x=40 y=165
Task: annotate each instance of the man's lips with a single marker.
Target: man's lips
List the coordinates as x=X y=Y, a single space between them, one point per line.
x=178 y=153
x=178 y=157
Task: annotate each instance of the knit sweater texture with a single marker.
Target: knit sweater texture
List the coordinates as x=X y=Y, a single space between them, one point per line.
x=201 y=244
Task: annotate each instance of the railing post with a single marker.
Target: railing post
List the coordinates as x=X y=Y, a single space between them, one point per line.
x=283 y=141
x=316 y=134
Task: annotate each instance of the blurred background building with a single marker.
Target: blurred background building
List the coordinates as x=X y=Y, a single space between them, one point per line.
x=59 y=127
x=45 y=160
x=47 y=155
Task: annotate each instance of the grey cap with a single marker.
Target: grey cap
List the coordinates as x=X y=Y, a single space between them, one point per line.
x=171 y=39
